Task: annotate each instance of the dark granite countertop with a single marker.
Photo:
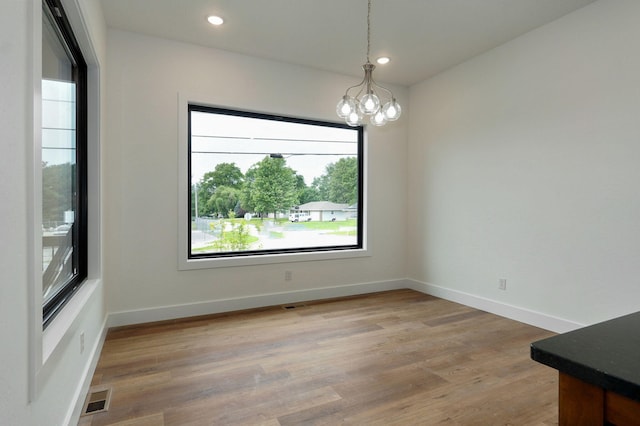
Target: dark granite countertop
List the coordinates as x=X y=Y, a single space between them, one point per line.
x=605 y=354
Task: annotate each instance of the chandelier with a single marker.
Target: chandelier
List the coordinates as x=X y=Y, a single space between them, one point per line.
x=367 y=100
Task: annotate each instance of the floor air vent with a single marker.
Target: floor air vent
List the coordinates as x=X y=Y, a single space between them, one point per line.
x=294 y=306
x=97 y=401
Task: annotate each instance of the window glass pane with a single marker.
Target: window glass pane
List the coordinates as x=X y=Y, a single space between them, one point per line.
x=59 y=169
x=263 y=184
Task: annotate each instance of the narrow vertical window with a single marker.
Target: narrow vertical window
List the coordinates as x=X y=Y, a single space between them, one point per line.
x=64 y=174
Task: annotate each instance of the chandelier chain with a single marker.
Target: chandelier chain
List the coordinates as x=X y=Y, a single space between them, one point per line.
x=368 y=30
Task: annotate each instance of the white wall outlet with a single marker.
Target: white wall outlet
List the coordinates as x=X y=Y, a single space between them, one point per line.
x=502 y=284
x=82 y=342
x=288 y=275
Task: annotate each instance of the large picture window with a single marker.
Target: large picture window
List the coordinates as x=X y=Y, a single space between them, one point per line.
x=64 y=172
x=261 y=184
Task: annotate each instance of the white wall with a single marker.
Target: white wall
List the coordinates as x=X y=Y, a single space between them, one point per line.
x=15 y=40
x=144 y=77
x=524 y=164
x=59 y=381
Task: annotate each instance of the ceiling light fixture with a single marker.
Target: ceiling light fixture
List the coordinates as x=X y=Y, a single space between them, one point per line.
x=382 y=60
x=215 y=20
x=367 y=101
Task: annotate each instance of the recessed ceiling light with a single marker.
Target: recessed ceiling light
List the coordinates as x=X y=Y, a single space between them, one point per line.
x=383 y=60
x=215 y=20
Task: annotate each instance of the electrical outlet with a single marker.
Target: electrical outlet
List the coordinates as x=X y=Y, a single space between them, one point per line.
x=288 y=275
x=82 y=342
x=502 y=284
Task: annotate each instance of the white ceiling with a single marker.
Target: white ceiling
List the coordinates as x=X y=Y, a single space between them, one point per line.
x=422 y=37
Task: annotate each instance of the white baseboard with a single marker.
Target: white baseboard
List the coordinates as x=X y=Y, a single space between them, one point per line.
x=162 y=313
x=73 y=416
x=527 y=316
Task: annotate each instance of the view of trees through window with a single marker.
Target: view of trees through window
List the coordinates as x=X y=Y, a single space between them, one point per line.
x=264 y=184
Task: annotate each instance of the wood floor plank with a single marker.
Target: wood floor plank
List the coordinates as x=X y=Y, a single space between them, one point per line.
x=391 y=358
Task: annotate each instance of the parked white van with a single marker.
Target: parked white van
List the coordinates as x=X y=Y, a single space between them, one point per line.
x=299 y=217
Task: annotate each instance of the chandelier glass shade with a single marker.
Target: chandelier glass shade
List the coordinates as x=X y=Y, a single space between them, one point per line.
x=366 y=98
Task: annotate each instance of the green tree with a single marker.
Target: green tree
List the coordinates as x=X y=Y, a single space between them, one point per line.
x=246 y=200
x=58 y=186
x=224 y=175
x=321 y=185
x=274 y=187
x=223 y=201
x=339 y=183
x=308 y=195
x=305 y=193
x=343 y=181
x=194 y=194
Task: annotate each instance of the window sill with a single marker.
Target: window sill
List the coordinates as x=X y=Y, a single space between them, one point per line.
x=60 y=326
x=186 y=264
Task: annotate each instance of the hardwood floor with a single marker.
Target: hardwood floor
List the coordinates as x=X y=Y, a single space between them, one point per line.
x=392 y=358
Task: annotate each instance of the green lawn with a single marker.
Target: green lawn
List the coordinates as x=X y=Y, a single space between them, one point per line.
x=329 y=226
